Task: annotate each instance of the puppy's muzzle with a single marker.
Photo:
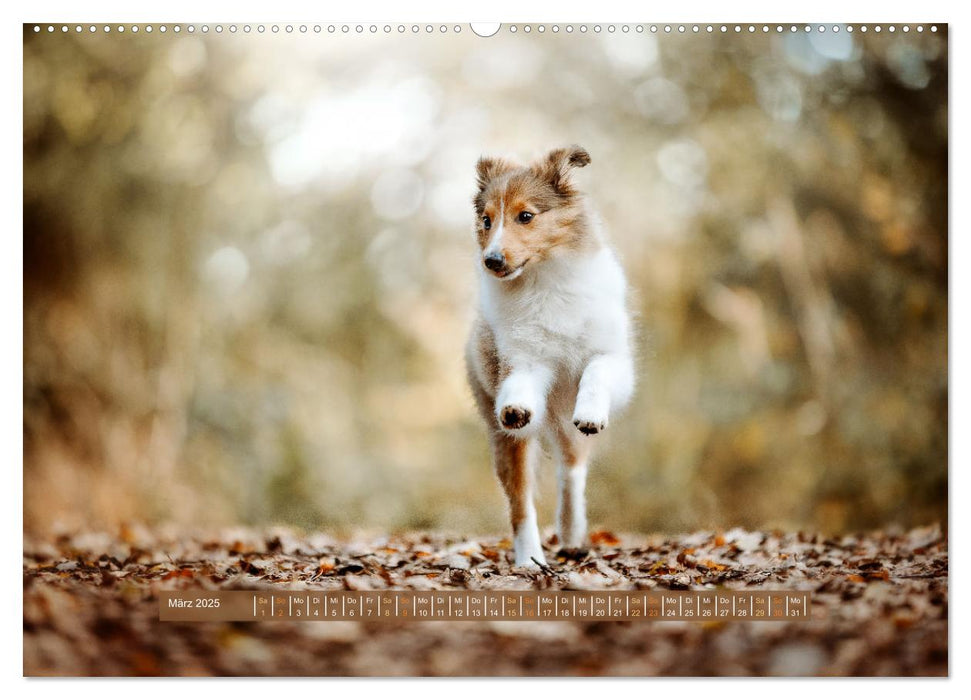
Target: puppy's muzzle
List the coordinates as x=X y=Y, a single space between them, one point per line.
x=496 y=262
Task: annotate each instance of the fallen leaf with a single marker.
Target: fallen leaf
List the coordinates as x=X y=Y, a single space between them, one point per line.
x=605 y=538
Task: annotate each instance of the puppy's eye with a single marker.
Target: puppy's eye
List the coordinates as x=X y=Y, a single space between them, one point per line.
x=486 y=223
x=525 y=217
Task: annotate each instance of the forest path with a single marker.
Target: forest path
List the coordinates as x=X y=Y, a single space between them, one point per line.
x=879 y=605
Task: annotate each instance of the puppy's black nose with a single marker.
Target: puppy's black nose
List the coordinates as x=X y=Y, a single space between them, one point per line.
x=495 y=261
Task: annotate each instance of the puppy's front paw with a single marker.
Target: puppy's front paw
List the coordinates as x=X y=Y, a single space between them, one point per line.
x=590 y=426
x=590 y=419
x=590 y=414
x=514 y=417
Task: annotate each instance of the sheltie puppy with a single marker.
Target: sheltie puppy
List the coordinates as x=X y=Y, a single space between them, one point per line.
x=549 y=357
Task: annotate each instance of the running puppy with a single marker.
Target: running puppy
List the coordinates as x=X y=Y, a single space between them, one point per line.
x=549 y=356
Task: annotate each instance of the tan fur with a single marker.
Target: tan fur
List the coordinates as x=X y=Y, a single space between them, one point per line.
x=544 y=189
x=573 y=448
x=511 y=456
x=512 y=460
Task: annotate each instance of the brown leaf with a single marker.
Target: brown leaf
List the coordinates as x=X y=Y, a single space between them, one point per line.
x=179 y=573
x=325 y=568
x=490 y=554
x=683 y=556
x=249 y=568
x=604 y=538
x=882 y=575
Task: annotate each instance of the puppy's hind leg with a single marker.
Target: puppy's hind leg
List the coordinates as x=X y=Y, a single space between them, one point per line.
x=572 y=456
x=514 y=467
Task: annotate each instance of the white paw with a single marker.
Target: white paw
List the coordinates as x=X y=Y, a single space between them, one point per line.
x=519 y=402
x=590 y=426
x=527 y=547
x=513 y=417
x=530 y=560
x=590 y=420
x=590 y=415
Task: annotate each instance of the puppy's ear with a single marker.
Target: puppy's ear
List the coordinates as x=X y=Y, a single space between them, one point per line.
x=485 y=170
x=488 y=168
x=558 y=166
x=574 y=156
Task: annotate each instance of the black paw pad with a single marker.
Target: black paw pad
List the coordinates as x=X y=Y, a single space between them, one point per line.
x=514 y=418
x=588 y=428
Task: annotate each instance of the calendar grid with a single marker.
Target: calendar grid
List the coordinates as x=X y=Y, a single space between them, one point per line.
x=485 y=605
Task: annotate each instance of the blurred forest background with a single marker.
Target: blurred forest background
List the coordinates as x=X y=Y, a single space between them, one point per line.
x=249 y=272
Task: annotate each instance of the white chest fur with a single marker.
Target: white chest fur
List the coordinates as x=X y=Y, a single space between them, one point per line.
x=560 y=313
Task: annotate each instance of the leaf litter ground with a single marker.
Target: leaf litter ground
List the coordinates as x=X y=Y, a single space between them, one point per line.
x=879 y=605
